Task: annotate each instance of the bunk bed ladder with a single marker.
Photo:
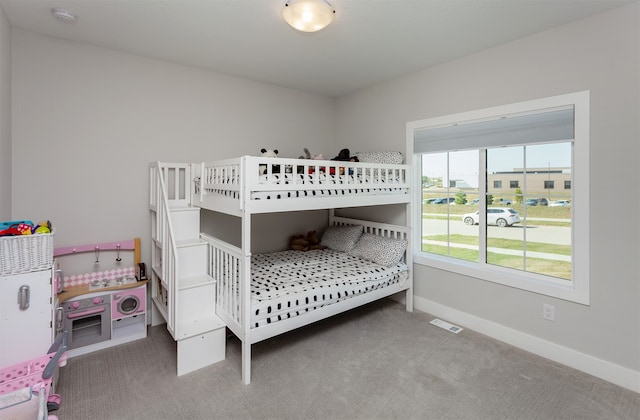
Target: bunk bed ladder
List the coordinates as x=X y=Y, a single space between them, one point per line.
x=182 y=292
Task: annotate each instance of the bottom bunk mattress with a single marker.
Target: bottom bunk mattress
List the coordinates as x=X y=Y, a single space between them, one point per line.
x=290 y=283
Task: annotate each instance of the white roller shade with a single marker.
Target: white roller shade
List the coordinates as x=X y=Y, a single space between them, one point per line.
x=539 y=127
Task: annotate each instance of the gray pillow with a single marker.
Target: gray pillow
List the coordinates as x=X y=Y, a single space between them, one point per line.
x=393 y=158
x=341 y=238
x=379 y=249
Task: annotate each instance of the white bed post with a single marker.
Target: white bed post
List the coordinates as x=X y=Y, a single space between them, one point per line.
x=246 y=298
x=409 y=254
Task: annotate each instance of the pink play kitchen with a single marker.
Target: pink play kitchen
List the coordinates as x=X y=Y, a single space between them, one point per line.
x=104 y=308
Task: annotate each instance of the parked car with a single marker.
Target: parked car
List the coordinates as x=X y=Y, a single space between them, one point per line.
x=499 y=216
x=503 y=201
x=536 y=202
x=429 y=200
x=560 y=203
x=450 y=200
x=474 y=201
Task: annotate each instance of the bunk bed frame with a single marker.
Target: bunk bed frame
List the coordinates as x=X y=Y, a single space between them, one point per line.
x=238 y=186
x=251 y=185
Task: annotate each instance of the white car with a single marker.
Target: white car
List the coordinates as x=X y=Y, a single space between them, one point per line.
x=500 y=216
x=560 y=203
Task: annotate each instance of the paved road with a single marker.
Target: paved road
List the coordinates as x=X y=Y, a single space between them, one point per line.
x=550 y=234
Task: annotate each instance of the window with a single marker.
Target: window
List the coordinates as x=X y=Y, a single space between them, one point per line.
x=512 y=237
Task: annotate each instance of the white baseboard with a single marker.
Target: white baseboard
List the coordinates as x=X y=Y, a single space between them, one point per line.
x=599 y=368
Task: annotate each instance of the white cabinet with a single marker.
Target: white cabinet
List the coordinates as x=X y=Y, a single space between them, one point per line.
x=26 y=315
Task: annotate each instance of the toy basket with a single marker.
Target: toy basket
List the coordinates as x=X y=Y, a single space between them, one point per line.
x=25 y=253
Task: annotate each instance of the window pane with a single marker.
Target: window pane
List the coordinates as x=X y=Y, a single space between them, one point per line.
x=541 y=241
x=505 y=232
x=548 y=223
x=450 y=189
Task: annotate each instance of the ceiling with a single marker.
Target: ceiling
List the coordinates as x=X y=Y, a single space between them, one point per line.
x=370 y=41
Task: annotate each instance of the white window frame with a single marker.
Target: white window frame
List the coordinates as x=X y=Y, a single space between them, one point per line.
x=577 y=290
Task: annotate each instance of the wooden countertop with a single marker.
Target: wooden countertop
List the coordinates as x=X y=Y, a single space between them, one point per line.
x=76 y=291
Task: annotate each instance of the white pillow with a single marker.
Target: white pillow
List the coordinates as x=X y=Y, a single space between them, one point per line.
x=341 y=238
x=379 y=249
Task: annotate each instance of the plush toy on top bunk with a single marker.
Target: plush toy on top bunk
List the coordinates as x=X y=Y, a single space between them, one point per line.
x=306 y=243
x=307 y=155
x=275 y=169
x=344 y=156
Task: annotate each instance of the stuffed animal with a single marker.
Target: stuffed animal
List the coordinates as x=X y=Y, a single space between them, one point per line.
x=307 y=155
x=344 y=156
x=299 y=243
x=305 y=243
x=314 y=241
x=275 y=169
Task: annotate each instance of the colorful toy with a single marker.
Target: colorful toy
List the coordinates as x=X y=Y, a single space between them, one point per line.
x=24 y=227
x=42 y=227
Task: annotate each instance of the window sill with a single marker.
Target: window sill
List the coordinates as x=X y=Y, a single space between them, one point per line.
x=548 y=286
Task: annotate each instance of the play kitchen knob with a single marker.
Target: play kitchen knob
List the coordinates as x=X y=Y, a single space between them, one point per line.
x=74 y=304
x=97 y=300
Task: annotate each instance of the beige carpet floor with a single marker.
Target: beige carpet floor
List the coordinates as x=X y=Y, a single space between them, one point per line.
x=375 y=362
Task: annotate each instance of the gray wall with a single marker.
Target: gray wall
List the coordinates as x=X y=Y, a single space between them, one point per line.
x=5 y=118
x=87 y=121
x=600 y=54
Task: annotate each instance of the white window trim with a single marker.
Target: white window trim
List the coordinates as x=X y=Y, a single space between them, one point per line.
x=578 y=291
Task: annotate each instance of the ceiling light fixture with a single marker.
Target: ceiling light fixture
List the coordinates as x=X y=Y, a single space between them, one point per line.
x=63 y=15
x=308 y=15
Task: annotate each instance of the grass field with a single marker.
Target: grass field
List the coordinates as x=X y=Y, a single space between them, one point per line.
x=549 y=267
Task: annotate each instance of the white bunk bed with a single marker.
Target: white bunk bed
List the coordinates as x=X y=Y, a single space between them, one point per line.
x=251 y=185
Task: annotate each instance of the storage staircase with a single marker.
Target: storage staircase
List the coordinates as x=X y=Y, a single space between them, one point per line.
x=182 y=292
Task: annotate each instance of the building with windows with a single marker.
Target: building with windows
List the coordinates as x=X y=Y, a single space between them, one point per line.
x=553 y=181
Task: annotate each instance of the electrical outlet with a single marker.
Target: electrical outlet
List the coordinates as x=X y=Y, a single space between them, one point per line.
x=548 y=312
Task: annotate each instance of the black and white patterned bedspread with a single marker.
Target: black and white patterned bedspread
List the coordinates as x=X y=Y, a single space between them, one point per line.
x=288 y=283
